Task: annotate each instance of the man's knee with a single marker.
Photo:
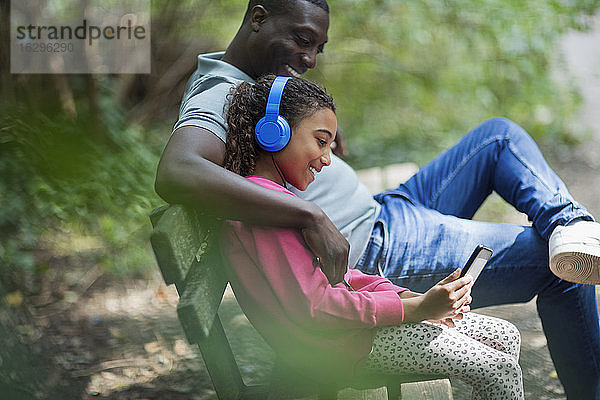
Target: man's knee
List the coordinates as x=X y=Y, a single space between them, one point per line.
x=502 y=127
x=561 y=294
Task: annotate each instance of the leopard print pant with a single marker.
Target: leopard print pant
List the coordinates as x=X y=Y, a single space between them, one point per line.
x=481 y=351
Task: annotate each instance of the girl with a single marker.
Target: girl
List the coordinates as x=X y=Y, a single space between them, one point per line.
x=279 y=133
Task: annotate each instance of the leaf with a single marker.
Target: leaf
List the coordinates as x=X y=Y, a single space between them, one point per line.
x=14 y=299
x=152 y=347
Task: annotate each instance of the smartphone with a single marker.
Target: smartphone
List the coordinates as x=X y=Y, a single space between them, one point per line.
x=476 y=262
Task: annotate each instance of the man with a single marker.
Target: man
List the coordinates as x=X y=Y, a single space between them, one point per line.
x=190 y=172
x=415 y=234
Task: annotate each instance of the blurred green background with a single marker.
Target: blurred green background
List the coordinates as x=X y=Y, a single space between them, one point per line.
x=78 y=153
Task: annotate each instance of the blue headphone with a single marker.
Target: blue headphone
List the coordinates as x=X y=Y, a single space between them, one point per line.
x=272 y=131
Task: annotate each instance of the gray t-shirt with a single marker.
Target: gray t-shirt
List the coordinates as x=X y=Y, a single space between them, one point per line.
x=336 y=189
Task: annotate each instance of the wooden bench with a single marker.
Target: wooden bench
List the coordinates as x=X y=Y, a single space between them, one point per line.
x=186 y=252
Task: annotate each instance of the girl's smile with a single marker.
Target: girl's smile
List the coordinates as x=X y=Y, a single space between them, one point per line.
x=308 y=150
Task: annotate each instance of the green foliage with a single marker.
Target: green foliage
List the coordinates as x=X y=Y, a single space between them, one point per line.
x=63 y=189
x=416 y=75
x=208 y=20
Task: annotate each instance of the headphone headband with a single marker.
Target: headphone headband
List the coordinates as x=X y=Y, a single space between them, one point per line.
x=272 y=131
x=275 y=95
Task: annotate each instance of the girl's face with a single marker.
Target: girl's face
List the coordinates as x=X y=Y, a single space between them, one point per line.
x=308 y=150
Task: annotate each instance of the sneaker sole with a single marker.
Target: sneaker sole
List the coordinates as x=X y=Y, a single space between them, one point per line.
x=577 y=267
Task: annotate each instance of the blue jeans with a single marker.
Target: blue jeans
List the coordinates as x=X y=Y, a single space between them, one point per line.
x=425 y=231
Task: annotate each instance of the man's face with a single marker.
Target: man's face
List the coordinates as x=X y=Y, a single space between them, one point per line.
x=288 y=44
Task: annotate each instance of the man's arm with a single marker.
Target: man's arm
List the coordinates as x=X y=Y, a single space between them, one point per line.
x=190 y=173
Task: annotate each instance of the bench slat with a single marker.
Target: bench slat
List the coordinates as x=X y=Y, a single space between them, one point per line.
x=428 y=390
x=199 y=303
x=157 y=213
x=220 y=362
x=175 y=240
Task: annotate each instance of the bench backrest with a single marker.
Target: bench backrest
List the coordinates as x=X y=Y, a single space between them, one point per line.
x=185 y=245
x=187 y=252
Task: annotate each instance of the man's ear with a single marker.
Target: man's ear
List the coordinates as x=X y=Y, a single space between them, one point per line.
x=258 y=15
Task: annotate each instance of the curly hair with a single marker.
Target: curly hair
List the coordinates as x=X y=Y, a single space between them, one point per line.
x=247 y=105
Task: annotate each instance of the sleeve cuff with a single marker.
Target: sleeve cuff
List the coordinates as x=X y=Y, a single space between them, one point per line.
x=389 y=308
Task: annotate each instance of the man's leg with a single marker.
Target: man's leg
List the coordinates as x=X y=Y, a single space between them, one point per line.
x=497 y=155
x=422 y=240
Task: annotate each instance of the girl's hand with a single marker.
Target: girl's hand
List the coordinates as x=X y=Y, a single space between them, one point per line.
x=447 y=300
x=449 y=322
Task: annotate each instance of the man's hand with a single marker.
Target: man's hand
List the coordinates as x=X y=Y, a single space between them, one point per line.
x=327 y=243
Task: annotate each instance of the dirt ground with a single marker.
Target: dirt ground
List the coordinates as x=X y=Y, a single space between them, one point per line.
x=90 y=335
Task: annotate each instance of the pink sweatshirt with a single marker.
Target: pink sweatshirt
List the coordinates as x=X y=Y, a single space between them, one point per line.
x=290 y=302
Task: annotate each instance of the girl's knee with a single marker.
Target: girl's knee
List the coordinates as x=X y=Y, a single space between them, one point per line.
x=511 y=365
x=511 y=374
x=512 y=335
x=505 y=377
x=508 y=338
x=508 y=368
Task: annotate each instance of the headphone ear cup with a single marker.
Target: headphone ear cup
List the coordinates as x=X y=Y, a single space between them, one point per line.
x=272 y=135
x=272 y=131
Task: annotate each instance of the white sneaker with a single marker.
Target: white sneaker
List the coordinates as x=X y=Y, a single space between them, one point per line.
x=575 y=252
